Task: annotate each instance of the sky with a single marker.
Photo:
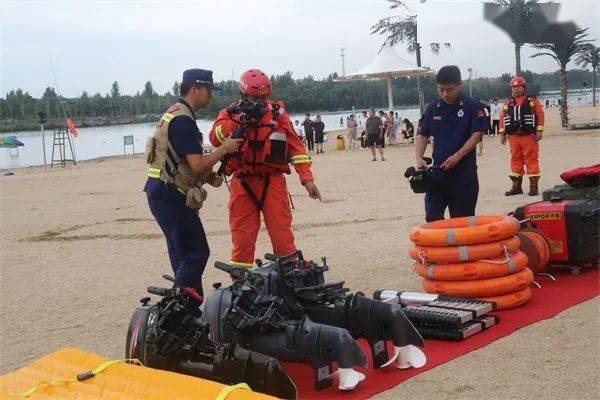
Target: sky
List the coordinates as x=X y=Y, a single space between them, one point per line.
x=92 y=43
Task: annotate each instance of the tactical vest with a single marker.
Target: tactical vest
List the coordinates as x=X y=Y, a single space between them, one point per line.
x=166 y=165
x=520 y=120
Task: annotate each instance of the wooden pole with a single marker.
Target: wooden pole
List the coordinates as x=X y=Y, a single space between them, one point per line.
x=390 y=94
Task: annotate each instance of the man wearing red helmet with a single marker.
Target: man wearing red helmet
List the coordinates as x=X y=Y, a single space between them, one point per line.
x=258 y=184
x=522 y=119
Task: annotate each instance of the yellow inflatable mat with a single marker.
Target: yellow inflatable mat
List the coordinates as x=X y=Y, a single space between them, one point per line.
x=55 y=377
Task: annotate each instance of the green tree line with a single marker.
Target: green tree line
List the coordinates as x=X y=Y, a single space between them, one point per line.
x=299 y=95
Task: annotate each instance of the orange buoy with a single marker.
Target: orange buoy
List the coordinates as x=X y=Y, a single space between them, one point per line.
x=510 y=300
x=483 y=287
x=535 y=245
x=457 y=254
x=482 y=269
x=465 y=230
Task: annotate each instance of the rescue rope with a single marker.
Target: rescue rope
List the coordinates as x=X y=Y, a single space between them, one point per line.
x=227 y=390
x=78 y=378
x=506 y=257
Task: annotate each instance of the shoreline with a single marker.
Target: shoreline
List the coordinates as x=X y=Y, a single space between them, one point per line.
x=34 y=168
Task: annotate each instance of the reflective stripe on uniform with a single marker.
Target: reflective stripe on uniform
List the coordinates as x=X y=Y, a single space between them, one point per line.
x=539 y=128
x=155 y=173
x=167 y=117
x=533 y=175
x=219 y=134
x=501 y=130
x=515 y=175
x=301 y=159
x=241 y=264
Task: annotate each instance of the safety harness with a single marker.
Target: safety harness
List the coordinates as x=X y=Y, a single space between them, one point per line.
x=255 y=145
x=258 y=202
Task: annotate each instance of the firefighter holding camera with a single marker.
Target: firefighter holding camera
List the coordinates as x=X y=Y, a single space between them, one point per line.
x=522 y=121
x=258 y=185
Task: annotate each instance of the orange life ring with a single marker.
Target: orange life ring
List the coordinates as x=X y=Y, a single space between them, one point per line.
x=465 y=230
x=510 y=300
x=457 y=254
x=483 y=287
x=482 y=269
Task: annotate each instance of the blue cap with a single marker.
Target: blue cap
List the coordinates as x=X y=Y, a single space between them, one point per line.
x=199 y=77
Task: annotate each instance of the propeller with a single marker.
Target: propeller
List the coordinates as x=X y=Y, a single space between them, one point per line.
x=407 y=356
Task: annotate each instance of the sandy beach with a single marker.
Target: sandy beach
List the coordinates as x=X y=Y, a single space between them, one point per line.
x=79 y=246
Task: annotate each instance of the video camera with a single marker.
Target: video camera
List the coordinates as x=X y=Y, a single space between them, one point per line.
x=248 y=109
x=420 y=179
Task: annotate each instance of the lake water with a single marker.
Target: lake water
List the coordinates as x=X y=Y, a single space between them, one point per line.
x=108 y=140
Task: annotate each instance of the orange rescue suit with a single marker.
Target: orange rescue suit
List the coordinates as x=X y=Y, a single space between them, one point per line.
x=524 y=146
x=258 y=183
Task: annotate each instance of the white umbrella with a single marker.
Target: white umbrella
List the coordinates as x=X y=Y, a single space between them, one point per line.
x=387 y=65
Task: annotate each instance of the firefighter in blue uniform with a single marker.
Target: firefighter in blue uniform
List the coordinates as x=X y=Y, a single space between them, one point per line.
x=456 y=122
x=178 y=169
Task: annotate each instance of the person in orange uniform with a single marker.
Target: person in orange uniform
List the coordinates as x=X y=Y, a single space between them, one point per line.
x=258 y=185
x=522 y=121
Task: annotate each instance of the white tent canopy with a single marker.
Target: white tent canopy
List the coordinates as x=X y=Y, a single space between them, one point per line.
x=387 y=65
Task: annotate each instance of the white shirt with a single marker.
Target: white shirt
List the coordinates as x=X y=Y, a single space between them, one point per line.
x=495 y=110
x=299 y=130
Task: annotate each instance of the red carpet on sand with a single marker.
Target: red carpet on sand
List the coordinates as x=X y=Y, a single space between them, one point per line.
x=551 y=299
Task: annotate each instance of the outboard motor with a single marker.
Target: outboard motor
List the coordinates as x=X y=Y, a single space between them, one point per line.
x=245 y=313
x=284 y=308
x=166 y=335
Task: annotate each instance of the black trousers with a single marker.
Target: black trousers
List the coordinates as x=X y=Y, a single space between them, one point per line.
x=495 y=126
x=457 y=192
x=310 y=140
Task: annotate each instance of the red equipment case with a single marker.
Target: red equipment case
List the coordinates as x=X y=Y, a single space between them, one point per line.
x=572 y=227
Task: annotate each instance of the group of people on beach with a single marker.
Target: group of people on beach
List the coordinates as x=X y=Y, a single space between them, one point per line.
x=359 y=134
x=311 y=132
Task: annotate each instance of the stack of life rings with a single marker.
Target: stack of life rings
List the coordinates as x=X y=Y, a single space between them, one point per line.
x=476 y=257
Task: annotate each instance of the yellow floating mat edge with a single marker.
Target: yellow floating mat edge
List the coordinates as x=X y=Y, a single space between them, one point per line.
x=55 y=377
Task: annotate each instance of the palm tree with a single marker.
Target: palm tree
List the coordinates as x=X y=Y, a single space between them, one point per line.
x=520 y=12
x=590 y=56
x=403 y=29
x=562 y=53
